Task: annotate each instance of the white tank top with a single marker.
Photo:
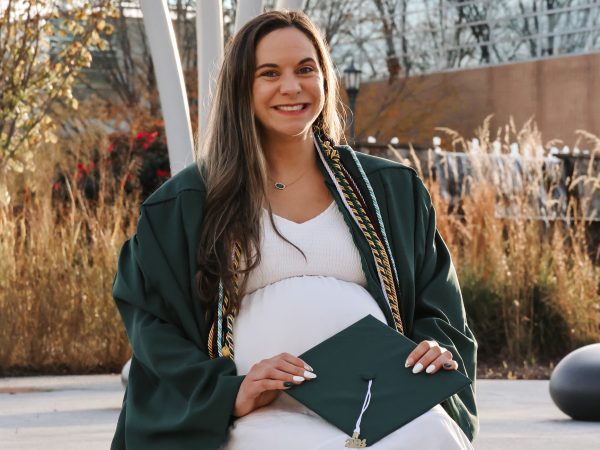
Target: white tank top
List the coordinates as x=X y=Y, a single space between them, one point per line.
x=292 y=304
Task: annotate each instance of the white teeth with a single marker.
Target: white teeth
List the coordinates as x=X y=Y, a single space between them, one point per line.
x=290 y=108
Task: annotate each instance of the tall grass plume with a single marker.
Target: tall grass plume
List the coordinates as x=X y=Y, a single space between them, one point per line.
x=530 y=278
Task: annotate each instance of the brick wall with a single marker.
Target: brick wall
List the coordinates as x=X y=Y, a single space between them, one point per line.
x=562 y=93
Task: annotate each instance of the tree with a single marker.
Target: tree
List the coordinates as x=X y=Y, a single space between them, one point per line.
x=127 y=65
x=475 y=17
x=387 y=13
x=333 y=16
x=43 y=48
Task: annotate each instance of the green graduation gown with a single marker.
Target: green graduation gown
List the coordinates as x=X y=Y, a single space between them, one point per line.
x=179 y=398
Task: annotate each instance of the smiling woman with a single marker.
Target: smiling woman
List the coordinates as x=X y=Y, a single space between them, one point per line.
x=276 y=240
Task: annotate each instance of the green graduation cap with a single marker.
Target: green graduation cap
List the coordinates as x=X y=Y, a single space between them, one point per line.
x=362 y=386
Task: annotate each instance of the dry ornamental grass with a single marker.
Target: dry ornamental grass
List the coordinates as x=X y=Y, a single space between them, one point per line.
x=57 y=265
x=529 y=281
x=527 y=268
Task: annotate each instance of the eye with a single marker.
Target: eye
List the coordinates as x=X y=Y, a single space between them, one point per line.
x=269 y=74
x=306 y=69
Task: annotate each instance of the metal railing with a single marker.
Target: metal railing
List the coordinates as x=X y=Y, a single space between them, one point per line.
x=549 y=182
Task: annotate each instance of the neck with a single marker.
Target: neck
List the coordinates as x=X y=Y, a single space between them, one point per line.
x=289 y=157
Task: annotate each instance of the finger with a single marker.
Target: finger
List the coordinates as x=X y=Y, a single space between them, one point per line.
x=418 y=352
x=450 y=365
x=272 y=373
x=272 y=385
x=295 y=370
x=428 y=358
x=269 y=368
x=276 y=380
x=295 y=361
x=443 y=361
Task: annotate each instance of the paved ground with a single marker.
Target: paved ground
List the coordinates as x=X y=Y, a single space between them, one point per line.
x=64 y=413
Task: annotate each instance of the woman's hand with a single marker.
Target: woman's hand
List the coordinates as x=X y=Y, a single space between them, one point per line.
x=267 y=379
x=429 y=355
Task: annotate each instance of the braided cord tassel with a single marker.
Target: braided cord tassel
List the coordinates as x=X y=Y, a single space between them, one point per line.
x=380 y=254
x=217 y=326
x=211 y=341
x=227 y=348
x=377 y=213
x=225 y=316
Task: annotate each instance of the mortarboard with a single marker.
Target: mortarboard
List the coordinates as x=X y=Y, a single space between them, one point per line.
x=362 y=386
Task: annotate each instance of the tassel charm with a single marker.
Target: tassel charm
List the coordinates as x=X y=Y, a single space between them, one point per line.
x=355 y=441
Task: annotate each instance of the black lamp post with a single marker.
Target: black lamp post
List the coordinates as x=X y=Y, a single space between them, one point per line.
x=352 y=82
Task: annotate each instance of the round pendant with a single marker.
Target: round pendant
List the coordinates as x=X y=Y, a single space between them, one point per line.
x=280 y=186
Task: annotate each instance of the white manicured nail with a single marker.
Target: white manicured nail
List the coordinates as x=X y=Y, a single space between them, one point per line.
x=297 y=379
x=308 y=368
x=309 y=375
x=418 y=368
x=430 y=369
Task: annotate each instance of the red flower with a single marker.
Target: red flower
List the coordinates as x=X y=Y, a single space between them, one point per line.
x=163 y=173
x=82 y=169
x=148 y=138
x=111 y=147
x=56 y=187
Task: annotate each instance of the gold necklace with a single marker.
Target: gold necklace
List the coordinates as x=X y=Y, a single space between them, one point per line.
x=281 y=186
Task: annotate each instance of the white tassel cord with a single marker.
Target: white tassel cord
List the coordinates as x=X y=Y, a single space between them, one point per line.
x=364 y=408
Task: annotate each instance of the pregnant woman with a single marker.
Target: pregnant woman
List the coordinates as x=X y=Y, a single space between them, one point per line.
x=276 y=239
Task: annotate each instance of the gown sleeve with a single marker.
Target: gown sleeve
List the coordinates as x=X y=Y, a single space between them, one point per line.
x=439 y=312
x=177 y=397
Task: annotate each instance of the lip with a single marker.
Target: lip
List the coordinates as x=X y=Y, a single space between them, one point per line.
x=292 y=113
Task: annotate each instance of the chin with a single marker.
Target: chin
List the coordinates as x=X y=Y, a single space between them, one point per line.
x=290 y=131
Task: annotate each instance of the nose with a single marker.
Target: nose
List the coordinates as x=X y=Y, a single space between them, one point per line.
x=290 y=84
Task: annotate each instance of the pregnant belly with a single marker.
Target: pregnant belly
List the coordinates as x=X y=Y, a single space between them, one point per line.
x=295 y=314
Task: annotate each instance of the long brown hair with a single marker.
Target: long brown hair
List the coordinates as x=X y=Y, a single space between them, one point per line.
x=232 y=160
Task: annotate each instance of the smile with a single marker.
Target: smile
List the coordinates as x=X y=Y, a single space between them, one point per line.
x=298 y=107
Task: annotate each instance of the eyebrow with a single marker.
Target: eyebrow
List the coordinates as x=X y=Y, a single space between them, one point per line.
x=275 y=65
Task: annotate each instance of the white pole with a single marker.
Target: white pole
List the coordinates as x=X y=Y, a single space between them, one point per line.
x=246 y=10
x=209 y=29
x=171 y=87
x=290 y=4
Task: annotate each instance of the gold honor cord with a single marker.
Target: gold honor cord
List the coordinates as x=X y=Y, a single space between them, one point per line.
x=382 y=260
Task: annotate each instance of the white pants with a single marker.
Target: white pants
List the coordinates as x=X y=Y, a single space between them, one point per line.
x=288 y=425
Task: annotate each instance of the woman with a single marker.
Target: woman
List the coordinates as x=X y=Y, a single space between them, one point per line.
x=274 y=241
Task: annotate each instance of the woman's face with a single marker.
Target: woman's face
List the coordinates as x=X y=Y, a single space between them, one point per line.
x=288 y=89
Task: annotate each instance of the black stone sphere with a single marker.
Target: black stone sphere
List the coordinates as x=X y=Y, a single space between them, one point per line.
x=575 y=383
